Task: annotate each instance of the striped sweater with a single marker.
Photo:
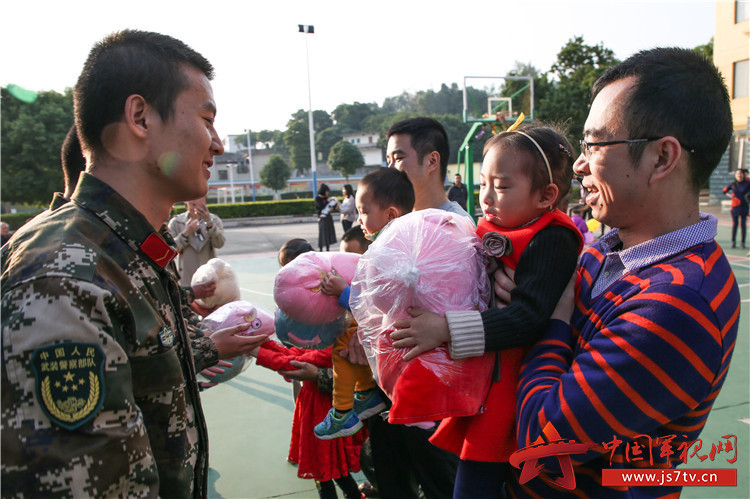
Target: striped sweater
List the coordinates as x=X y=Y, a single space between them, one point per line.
x=643 y=359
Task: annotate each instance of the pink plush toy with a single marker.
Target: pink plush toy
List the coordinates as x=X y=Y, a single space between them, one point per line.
x=233 y=314
x=240 y=312
x=297 y=290
x=428 y=259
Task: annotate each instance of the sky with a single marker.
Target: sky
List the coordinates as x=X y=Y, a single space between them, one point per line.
x=360 y=51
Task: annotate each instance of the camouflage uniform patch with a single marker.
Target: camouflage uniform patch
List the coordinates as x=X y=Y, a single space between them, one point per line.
x=69 y=382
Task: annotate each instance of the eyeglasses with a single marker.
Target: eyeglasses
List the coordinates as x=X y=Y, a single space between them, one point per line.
x=586 y=146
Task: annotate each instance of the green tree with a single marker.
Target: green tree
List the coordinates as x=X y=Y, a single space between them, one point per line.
x=577 y=67
x=275 y=174
x=30 y=136
x=297 y=136
x=448 y=100
x=345 y=158
x=706 y=50
x=325 y=140
x=352 y=117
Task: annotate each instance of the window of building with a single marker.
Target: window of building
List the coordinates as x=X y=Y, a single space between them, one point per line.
x=738 y=151
x=223 y=175
x=741 y=8
x=741 y=81
x=243 y=166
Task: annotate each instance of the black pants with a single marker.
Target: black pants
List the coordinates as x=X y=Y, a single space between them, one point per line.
x=404 y=459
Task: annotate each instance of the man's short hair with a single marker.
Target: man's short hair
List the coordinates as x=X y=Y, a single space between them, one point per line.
x=427 y=135
x=72 y=159
x=390 y=187
x=680 y=93
x=126 y=63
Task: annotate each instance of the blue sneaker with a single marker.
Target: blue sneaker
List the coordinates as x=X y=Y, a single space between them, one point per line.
x=335 y=427
x=368 y=403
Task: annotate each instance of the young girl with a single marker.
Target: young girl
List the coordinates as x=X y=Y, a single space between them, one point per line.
x=325 y=461
x=524 y=174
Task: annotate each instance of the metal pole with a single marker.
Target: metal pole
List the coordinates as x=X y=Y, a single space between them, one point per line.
x=313 y=159
x=231 y=180
x=250 y=162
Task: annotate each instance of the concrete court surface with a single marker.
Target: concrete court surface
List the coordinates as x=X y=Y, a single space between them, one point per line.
x=249 y=417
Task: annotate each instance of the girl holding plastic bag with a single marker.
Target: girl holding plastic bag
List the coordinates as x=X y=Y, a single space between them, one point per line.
x=524 y=174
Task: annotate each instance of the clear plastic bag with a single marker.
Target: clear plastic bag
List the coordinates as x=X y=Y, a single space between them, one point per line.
x=429 y=259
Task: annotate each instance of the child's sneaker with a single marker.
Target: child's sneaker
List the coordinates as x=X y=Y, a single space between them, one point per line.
x=335 y=427
x=368 y=403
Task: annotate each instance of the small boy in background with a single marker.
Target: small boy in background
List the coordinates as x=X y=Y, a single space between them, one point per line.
x=382 y=195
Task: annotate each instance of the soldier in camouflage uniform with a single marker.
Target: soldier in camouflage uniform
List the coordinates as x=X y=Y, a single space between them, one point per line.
x=99 y=395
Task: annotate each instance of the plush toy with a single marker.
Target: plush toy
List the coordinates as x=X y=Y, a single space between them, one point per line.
x=297 y=290
x=310 y=336
x=227 y=286
x=233 y=314
x=240 y=312
x=428 y=259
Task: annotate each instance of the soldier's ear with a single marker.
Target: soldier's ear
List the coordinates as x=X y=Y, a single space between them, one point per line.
x=138 y=115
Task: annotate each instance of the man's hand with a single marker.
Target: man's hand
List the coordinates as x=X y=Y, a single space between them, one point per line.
x=204 y=289
x=230 y=345
x=191 y=227
x=565 y=306
x=212 y=372
x=201 y=310
x=333 y=284
x=424 y=331
x=504 y=284
x=305 y=371
x=354 y=352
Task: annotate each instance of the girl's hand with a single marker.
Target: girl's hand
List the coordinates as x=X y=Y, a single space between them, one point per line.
x=424 y=331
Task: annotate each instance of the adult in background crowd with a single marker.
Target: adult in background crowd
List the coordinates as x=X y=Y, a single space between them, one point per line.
x=4 y=233
x=197 y=234
x=348 y=208
x=324 y=207
x=99 y=389
x=458 y=192
x=740 y=192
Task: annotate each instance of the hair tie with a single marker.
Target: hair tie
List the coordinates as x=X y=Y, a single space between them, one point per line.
x=567 y=153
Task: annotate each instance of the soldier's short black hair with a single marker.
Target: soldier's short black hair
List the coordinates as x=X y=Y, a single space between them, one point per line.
x=126 y=63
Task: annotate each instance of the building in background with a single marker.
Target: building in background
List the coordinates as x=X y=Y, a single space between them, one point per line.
x=231 y=170
x=732 y=57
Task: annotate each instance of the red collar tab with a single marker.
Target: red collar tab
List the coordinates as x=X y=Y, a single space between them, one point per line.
x=158 y=250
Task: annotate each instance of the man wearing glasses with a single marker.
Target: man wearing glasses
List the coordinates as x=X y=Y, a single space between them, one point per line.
x=639 y=359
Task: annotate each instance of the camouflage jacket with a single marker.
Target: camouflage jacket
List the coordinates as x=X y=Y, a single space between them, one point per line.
x=99 y=394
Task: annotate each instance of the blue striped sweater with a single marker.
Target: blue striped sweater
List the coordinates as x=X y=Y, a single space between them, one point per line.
x=645 y=359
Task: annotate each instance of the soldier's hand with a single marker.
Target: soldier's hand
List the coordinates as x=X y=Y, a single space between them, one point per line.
x=229 y=344
x=204 y=289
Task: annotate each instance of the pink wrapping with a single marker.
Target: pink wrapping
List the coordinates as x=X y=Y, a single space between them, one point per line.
x=297 y=288
x=233 y=314
x=240 y=312
x=427 y=259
